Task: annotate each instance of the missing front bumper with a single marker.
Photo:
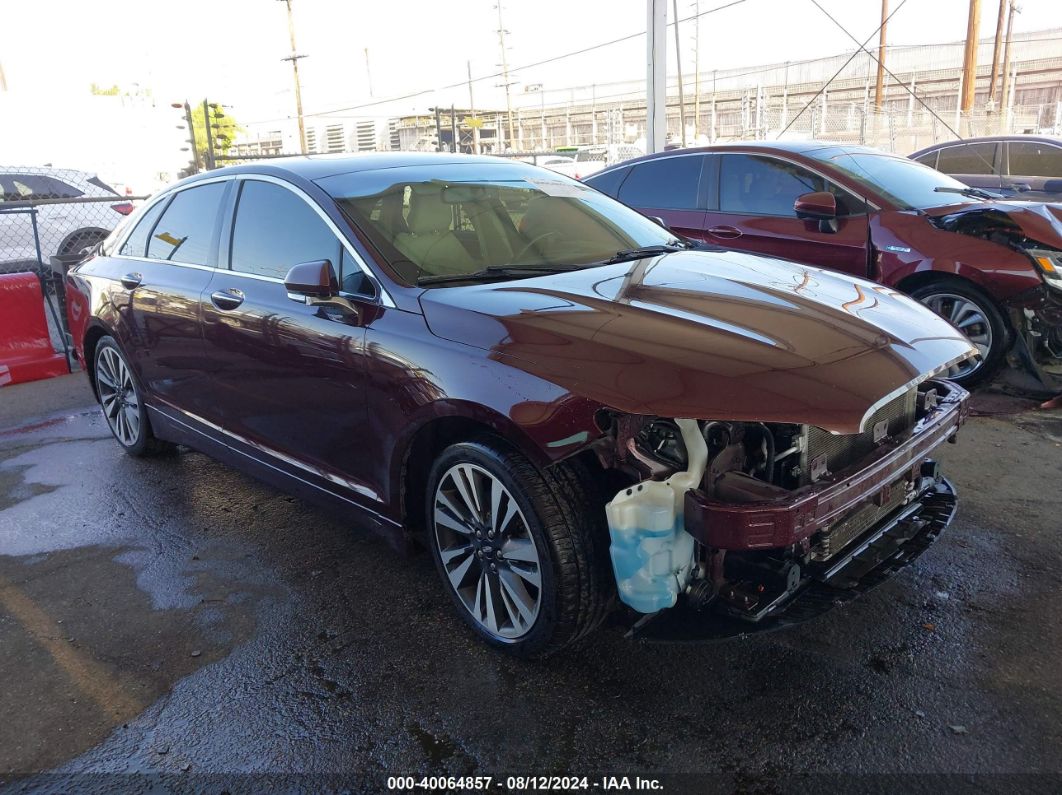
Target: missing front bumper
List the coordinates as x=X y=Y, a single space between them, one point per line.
x=861 y=566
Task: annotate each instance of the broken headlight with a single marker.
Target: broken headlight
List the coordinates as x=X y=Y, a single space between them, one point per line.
x=1049 y=263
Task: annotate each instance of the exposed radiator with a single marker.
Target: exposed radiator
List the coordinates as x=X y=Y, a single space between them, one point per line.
x=840 y=450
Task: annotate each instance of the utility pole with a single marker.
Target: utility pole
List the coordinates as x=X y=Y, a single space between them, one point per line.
x=472 y=111
x=969 y=59
x=879 y=86
x=1005 y=95
x=656 y=86
x=505 y=73
x=678 y=66
x=438 y=129
x=209 y=137
x=453 y=131
x=696 y=67
x=368 y=71
x=294 y=58
x=996 y=47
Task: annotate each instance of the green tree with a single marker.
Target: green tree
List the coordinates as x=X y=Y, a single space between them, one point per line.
x=223 y=128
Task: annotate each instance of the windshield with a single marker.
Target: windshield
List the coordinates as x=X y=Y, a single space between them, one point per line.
x=903 y=182
x=455 y=219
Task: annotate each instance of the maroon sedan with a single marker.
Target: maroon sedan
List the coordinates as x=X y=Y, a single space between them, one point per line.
x=564 y=402
x=992 y=268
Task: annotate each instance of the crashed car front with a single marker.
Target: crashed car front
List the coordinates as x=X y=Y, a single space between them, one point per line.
x=768 y=427
x=781 y=511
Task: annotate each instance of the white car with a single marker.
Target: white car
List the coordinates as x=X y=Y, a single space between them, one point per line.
x=591 y=159
x=63 y=227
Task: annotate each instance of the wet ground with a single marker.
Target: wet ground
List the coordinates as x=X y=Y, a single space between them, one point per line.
x=173 y=616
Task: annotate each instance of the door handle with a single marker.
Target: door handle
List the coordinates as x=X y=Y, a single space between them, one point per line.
x=226 y=299
x=131 y=281
x=725 y=232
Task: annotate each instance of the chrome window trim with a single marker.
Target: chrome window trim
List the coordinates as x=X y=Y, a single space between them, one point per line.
x=165 y=195
x=381 y=296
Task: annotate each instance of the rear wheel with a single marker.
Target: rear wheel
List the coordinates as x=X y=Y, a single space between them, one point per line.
x=523 y=554
x=976 y=316
x=122 y=401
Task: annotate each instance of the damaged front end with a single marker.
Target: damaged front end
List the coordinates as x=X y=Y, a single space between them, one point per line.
x=1035 y=315
x=743 y=526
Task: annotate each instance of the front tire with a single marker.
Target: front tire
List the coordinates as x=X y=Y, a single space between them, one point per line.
x=522 y=553
x=121 y=399
x=975 y=315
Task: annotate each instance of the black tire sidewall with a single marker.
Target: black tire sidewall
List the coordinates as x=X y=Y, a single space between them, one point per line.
x=500 y=464
x=143 y=441
x=1000 y=330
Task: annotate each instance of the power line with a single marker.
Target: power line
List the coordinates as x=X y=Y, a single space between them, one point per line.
x=894 y=77
x=493 y=75
x=843 y=66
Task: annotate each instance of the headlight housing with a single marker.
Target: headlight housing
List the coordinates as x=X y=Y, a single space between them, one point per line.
x=1049 y=263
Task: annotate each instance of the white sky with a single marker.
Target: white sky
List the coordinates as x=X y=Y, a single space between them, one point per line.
x=231 y=49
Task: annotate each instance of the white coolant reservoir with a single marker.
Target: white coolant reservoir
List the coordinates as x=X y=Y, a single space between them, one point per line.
x=652 y=554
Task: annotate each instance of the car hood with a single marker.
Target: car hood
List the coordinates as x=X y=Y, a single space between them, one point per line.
x=708 y=335
x=1037 y=221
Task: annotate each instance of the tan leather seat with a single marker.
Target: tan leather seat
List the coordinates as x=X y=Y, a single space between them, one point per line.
x=430 y=242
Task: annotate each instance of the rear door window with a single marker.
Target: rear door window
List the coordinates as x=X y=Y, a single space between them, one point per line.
x=1035 y=159
x=968 y=159
x=928 y=159
x=669 y=183
x=187 y=230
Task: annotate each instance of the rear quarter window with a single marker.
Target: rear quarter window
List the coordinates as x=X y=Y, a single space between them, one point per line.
x=608 y=181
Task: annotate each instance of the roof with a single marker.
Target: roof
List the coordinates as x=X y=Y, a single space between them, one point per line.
x=314 y=167
x=1050 y=139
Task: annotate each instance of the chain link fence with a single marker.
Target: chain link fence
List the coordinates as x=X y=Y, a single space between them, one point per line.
x=47 y=212
x=49 y=220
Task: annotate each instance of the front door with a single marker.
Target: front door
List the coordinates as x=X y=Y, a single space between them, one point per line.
x=754 y=212
x=287 y=378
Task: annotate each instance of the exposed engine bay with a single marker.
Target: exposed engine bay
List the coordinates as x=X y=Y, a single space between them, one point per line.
x=740 y=516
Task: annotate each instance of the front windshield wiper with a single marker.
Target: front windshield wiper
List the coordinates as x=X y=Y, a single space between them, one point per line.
x=648 y=251
x=973 y=193
x=492 y=272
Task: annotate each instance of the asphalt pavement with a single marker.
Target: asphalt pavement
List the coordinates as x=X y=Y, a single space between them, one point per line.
x=174 y=617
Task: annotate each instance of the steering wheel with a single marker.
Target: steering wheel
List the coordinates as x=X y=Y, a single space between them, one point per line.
x=515 y=260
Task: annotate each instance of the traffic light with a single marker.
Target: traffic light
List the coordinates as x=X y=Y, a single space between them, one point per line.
x=193 y=163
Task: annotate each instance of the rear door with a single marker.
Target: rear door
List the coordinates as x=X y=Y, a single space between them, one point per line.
x=975 y=164
x=752 y=210
x=288 y=378
x=1034 y=171
x=670 y=188
x=160 y=271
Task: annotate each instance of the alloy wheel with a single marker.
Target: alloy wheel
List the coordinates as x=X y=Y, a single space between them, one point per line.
x=487 y=551
x=121 y=404
x=969 y=318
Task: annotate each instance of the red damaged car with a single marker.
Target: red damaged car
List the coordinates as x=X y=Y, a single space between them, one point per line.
x=562 y=400
x=993 y=268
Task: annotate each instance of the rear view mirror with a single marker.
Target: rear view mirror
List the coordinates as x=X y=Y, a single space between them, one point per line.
x=315 y=279
x=818 y=206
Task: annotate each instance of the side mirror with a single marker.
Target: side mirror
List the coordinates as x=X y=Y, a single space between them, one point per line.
x=315 y=284
x=818 y=206
x=315 y=279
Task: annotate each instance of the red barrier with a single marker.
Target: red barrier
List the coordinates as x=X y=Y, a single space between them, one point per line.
x=26 y=352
